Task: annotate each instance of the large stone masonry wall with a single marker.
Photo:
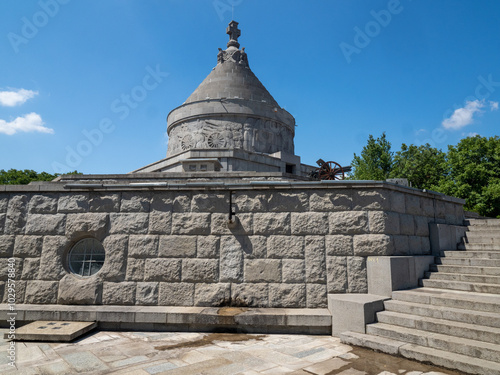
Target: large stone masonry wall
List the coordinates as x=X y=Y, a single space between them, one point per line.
x=289 y=247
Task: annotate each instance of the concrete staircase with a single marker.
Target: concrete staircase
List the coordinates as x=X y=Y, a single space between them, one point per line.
x=453 y=320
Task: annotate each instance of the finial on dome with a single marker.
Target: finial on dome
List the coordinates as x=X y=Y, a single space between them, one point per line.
x=234 y=33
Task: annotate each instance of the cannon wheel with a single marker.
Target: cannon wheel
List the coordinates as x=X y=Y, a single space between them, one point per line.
x=331 y=171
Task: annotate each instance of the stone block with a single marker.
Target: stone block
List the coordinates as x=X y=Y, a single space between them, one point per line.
x=46 y=224
x=251 y=295
x=142 y=246
x=122 y=293
x=356 y=275
x=182 y=202
x=401 y=245
x=372 y=199
x=293 y=271
x=426 y=245
x=397 y=201
x=160 y=269
x=200 y=270
x=6 y=246
x=4 y=202
x=250 y=202
x=242 y=224
x=262 y=270
x=445 y=237
x=336 y=272
x=421 y=226
x=407 y=224
x=17 y=213
x=20 y=288
x=354 y=222
x=134 y=201
x=316 y=296
x=135 y=269
x=191 y=223
x=104 y=202
x=328 y=201
x=212 y=202
x=176 y=294
x=177 y=246
x=315 y=265
x=231 y=259
x=427 y=206
x=288 y=202
x=373 y=244
x=87 y=224
x=146 y=294
x=5 y=265
x=73 y=203
x=129 y=223
x=160 y=222
x=30 y=269
x=43 y=204
x=287 y=295
x=115 y=265
x=413 y=205
x=415 y=244
x=339 y=245
x=2 y=222
x=79 y=291
x=439 y=209
x=52 y=260
x=382 y=222
x=212 y=294
x=162 y=201
x=352 y=312
x=271 y=223
x=41 y=292
x=309 y=223
x=285 y=247
x=208 y=247
x=27 y=246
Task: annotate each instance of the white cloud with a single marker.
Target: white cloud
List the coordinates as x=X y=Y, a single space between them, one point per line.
x=17 y=97
x=31 y=122
x=494 y=106
x=463 y=116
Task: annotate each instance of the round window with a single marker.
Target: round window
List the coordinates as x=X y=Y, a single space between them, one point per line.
x=86 y=257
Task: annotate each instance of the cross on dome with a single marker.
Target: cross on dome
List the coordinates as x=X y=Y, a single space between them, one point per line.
x=234 y=33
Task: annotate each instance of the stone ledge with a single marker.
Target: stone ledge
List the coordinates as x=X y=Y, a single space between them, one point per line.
x=169 y=318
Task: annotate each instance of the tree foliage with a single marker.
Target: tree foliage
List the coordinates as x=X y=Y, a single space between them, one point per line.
x=19 y=177
x=375 y=161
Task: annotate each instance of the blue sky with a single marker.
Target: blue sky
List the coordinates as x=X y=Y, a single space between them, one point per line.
x=87 y=85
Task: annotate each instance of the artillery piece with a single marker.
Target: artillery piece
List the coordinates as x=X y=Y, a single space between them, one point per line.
x=329 y=170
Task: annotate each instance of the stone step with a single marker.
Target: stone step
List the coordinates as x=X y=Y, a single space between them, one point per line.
x=465 y=269
x=459 y=345
x=471 y=254
x=482 y=237
x=468 y=262
x=483 y=222
x=450 y=298
x=479 y=246
x=445 y=327
x=462 y=285
x=463 y=277
x=484 y=318
x=437 y=357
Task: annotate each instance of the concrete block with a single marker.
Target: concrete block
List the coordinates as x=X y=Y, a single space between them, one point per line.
x=445 y=237
x=352 y=312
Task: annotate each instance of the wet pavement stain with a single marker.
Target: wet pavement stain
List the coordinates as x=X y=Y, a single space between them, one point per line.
x=373 y=363
x=231 y=311
x=210 y=339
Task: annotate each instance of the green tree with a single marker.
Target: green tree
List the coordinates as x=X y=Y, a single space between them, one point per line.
x=375 y=161
x=424 y=166
x=474 y=174
x=19 y=177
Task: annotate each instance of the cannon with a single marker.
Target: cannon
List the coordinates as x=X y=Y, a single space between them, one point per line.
x=329 y=170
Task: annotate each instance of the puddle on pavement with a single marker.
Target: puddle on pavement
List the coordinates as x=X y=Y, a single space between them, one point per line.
x=373 y=363
x=210 y=338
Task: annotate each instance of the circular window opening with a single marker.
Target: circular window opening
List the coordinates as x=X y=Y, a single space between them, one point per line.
x=86 y=257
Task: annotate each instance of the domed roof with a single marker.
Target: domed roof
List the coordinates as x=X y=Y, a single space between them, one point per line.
x=232 y=77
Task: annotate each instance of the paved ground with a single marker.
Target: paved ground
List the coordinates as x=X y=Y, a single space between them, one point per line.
x=148 y=353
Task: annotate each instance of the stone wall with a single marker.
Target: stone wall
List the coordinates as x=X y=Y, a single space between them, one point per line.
x=290 y=246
